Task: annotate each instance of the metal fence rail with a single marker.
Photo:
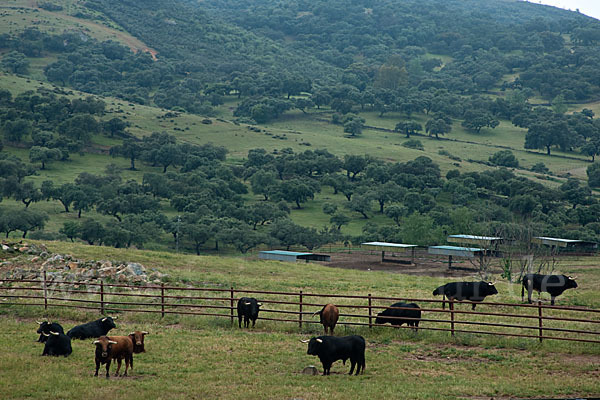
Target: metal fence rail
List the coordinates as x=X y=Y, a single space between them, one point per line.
x=577 y=324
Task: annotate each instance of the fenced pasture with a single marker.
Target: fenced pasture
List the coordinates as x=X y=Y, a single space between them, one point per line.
x=533 y=321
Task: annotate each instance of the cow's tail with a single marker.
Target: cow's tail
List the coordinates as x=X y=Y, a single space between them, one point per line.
x=320 y=312
x=523 y=289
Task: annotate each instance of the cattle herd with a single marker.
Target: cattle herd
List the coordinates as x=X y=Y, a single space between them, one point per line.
x=328 y=348
x=108 y=348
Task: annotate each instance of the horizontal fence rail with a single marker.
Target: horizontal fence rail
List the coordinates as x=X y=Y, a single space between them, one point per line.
x=535 y=321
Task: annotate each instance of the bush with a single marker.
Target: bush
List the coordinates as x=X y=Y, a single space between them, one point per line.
x=504 y=158
x=540 y=168
x=413 y=144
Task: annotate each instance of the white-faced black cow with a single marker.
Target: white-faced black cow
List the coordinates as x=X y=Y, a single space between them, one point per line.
x=247 y=308
x=555 y=285
x=472 y=291
x=330 y=349
x=93 y=329
x=409 y=316
x=57 y=344
x=45 y=329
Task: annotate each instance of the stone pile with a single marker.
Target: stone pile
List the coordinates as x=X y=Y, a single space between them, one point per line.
x=29 y=261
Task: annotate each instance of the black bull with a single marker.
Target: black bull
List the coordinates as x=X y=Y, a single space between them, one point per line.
x=330 y=349
x=472 y=291
x=57 y=344
x=555 y=285
x=93 y=329
x=45 y=329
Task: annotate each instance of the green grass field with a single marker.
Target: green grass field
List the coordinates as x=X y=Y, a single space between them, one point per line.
x=204 y=357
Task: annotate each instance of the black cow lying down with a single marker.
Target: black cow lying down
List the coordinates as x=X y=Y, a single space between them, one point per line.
x=553 y=284
x=57 y=344
x=45 y=329
x=472 y=291
x=93 y=329
x=330 y=349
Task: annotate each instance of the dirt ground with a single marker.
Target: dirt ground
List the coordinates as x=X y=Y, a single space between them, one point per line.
x=424 y=265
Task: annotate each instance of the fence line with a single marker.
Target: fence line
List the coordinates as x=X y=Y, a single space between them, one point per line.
x=108 y=297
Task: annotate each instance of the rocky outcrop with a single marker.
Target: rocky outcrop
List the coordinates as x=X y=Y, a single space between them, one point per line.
x=29 y=261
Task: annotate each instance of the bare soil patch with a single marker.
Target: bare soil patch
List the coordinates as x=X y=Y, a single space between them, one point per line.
x=424 y=264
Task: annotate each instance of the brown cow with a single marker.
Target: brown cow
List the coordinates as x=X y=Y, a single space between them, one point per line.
x=329 y=317
x=110 y=348
x=137 y=337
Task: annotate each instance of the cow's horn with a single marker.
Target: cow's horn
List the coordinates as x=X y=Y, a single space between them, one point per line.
x=104 y=319
x=259 y=304
x=45 y=334
x=572 y=277
x=320 y=340
x=132 y=333
x=315 y=313
x=39 y=323
x=247 y=303
x=115 y=317
x=305 y=341
x=145 y=333
x=54 y=333
x=491 y=283
x=95 y=342
x=112 y=342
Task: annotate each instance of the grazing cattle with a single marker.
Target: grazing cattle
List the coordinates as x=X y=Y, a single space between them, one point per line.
x=93 y=329
x=45 y=328
x=472 y=291
x=329 y=317
x=247 y=307
x=398 y=317
x=555 y=285
x=57 y=344
x=110 y=348
x=330 y=349
x=137 y=338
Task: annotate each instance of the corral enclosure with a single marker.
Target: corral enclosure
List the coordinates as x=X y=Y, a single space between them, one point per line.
x=204 y=356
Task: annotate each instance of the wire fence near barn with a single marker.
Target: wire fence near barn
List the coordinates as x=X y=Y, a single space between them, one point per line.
x=535 y=321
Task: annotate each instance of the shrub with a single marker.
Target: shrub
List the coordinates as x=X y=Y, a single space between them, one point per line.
x=504 y=158
x=413 y=144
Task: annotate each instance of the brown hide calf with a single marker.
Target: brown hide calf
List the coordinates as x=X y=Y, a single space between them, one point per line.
x=329 y=317
x=137 y=338
x=110 y=348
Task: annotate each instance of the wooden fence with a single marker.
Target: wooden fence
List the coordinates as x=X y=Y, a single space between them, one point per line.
x=536 y=321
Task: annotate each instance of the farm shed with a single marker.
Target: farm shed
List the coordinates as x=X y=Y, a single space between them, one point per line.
x=455 y=251
x=392 y=247
x=292 y=256
x=566 y=244
x=481 y=241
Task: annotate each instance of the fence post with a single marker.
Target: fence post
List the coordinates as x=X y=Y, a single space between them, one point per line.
x=45 y=292
x=451 y=307
x=231 y=305
x=102 y=297
x=540 y=319
x=300 y=314
x=370 y=318
x=162 y=300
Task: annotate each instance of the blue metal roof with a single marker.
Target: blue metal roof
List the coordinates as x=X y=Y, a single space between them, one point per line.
x=456 y=248
x=285 y=253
